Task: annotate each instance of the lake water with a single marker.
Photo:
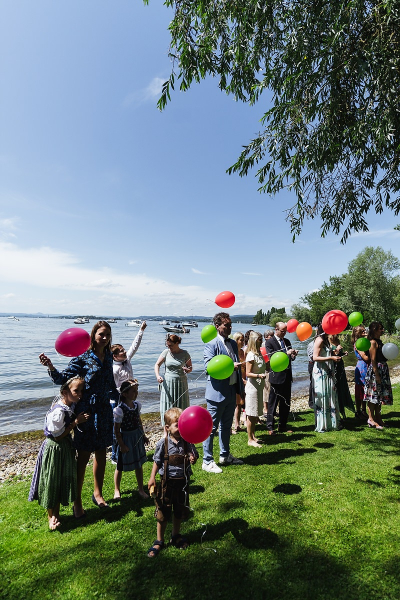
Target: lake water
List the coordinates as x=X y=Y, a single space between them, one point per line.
x=26 y=390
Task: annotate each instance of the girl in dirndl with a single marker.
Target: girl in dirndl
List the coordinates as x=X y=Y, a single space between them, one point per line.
x=128 y=429
x=54 y=479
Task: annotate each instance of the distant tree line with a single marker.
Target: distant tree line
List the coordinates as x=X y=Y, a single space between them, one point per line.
x=271 y=317
x=370 y=286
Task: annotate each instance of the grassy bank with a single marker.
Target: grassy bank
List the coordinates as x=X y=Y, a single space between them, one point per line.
x=308 y=516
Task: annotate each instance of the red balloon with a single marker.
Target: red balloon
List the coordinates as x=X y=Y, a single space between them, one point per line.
x=292 y=325
x=225 y=299
x=72 y=342
x=195 y=424
x=264 y=353
x=335 y=321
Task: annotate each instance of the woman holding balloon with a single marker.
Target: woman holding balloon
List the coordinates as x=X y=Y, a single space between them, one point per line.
x=95 y=367
x=325 y=393
x=363 y=360
x=256 y=375
x=378 y=389
x=174 y=385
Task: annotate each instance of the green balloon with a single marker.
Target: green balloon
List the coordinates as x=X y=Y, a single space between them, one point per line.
x=220 y=367
x=355 y=319
x=279 y=361
x=208 y=333
x=363 y=344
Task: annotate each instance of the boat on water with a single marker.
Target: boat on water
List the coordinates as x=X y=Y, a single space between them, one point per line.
x=13 y=318
x=134 y=323
x=165 y=322
x=80 y=321
x=176 y=329
x=190 y=324
x=111 y=320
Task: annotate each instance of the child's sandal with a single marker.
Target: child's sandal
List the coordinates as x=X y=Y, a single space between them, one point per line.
x=155 y=550
x=179 y=541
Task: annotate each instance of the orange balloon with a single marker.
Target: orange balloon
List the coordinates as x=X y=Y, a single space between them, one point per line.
x=303 y=331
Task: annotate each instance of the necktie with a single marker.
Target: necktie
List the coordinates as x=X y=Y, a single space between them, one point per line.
x=283 y=346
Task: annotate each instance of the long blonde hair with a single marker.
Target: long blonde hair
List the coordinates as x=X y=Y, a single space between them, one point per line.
x=252 y=343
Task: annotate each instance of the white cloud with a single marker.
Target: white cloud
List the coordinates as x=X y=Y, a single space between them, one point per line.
x=7 y=296
x=53 y=279
x=376 y=233
x=7 y=227
x=198 y=272
x=258 y=274
x=149 y=93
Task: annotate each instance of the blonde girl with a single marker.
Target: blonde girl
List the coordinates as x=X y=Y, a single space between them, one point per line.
x=256 y=375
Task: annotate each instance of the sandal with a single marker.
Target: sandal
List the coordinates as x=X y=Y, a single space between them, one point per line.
x=179 y=541
x=155 y=550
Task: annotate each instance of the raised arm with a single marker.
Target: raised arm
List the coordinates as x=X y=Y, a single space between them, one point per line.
x=136 y=342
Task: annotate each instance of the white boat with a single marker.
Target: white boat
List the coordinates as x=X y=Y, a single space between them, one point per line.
x=176 y=329
x=80 y=321
x=165 y=322
x=111 y=321
x=190 y=324
x=134 y=323
x=13 y=318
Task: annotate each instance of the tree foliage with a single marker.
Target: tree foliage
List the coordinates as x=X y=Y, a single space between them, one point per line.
x=271 y=317
x=332 y=133
x=370 y=286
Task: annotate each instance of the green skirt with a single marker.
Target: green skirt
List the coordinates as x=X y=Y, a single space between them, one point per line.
x=57 y=478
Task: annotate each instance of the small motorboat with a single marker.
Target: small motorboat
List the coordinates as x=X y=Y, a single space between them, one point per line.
x=80 y=321
x=190 y=324
x=134 y=323
x=13 y=318
x=165 y=322
x=111 y=321
x=177 y=329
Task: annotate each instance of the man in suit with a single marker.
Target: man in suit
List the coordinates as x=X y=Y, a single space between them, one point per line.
x=221 y=395
x=281 y=383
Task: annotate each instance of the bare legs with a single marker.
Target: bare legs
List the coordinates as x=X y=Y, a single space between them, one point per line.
x=161 y=527
x=54 y=517
x=374 y=414
x=251 y=424
x=139 y=479
x=99 y=467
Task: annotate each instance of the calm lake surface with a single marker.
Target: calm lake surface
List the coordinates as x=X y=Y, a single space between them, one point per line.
x=26 y=390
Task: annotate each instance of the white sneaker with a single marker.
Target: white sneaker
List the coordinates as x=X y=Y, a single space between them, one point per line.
x=230 y=460
x=211 y=467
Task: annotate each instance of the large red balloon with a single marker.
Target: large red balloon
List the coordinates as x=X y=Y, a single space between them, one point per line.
x=195 y=424
x=72 y=342
x=225 y=299
x=335 y=321
x=264 y=353
x=291 y=325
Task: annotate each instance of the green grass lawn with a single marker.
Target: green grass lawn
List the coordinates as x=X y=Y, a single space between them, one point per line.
x=307 y=516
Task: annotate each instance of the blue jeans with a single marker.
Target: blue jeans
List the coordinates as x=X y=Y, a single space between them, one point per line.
x=222 y=415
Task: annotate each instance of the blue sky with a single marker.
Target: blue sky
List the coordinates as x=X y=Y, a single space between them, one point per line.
x=108 y=206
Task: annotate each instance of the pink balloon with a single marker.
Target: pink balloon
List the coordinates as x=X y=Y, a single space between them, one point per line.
x=72 y=342
x=264 y=354
x=225 y=299
x=195 y=424
x=292 y=325
x=335 y=321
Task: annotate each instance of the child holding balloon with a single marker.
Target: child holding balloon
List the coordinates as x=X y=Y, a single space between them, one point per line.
x=128 y=429
x=173 y=458
x=54 y=481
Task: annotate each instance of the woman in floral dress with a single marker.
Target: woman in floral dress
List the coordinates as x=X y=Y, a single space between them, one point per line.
x=96 y=368
x=378 y=389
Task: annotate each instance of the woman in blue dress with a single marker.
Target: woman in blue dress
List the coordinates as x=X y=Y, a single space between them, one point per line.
x=95 y=367
x=360 y=372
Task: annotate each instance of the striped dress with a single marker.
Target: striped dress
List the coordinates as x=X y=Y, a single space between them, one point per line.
x=54 y=478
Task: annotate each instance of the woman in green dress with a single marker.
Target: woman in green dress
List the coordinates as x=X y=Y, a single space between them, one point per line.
x=325 y=393
x=173 y=386
x=344 y=397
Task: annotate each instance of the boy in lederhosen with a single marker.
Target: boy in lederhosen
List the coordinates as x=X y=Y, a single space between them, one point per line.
x=173 y=458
